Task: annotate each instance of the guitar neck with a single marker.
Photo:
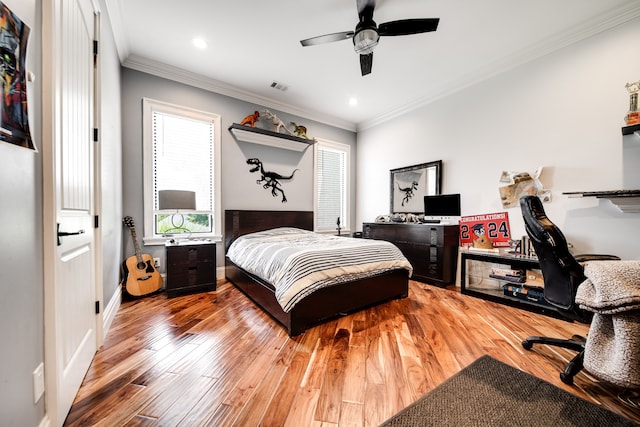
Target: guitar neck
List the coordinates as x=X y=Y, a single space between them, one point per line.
x=135 y=244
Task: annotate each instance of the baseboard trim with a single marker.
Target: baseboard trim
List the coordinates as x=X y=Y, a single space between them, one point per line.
x=111 y=310
x=45 y=422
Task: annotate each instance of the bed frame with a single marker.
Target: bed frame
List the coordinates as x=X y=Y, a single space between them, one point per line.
x=322 y=305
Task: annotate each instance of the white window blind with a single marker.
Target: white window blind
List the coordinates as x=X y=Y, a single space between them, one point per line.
x=183 y=157
x=181 y=152
x=331 y=186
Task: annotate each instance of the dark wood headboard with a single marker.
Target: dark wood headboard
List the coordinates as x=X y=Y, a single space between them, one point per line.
x=239 y=222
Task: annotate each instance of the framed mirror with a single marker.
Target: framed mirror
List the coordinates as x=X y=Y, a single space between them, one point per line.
x=410 y=184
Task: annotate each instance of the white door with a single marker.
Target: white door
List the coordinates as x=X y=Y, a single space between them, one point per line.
x=70 y=284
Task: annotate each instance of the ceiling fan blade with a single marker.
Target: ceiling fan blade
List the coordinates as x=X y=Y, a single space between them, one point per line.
x=365 y=9
x=405 y=27
x=327 y=38
x=366 y=62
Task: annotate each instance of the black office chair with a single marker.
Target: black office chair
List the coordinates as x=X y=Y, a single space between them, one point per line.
x=562 y=274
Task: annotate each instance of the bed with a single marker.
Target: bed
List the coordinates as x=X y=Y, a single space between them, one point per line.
x=323 y=304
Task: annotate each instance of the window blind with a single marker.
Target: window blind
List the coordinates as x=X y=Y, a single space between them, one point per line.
x=183 y=157
x=331 y=188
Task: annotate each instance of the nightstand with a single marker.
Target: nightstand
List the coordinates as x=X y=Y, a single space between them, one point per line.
x=191 y=267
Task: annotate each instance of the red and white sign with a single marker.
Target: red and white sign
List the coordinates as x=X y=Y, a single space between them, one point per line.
x=489 y=227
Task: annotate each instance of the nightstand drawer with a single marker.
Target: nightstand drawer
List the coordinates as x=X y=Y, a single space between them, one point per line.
x=191 y=267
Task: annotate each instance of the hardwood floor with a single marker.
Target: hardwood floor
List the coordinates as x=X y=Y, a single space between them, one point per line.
x=214 y=359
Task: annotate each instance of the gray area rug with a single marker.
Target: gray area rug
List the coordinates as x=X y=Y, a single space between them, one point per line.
x=491 y=393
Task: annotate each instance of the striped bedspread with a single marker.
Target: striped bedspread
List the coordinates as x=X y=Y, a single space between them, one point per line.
x=298 y=262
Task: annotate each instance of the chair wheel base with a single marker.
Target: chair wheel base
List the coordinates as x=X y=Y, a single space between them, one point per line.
x=576 y=343
x=565 y=378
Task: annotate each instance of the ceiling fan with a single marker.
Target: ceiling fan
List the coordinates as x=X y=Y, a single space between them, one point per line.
x=367 y=33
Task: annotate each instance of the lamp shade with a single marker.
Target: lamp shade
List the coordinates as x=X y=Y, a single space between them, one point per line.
x=176 y=200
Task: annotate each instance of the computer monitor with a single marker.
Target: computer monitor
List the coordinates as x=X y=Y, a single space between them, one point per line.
x=442 y=207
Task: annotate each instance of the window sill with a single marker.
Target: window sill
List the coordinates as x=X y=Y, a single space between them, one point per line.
x=161 y=241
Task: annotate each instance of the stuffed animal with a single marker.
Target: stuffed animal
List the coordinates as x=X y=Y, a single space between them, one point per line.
x=277 y=123
x=482 y=241
x=251 y=119
x=299 y=130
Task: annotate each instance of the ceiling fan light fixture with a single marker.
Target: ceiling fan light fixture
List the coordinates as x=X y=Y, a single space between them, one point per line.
x=364 y=40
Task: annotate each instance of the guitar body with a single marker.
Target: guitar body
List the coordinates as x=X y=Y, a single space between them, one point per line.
x=142 y=279
x=142 y=276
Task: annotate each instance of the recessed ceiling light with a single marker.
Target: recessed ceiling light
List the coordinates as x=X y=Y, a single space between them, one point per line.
x=353 y=101
x=199 y=43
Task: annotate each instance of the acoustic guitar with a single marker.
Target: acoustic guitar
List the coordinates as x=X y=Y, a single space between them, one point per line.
x=142 y=276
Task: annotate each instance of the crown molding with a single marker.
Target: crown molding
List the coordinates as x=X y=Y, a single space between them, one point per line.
x=193 y=79
x=628 y=12
x=114 y=11
x=614 y=18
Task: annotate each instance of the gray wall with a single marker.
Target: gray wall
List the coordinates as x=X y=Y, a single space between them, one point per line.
x=21 y=265
x=21 y=257
x=563 y=111
x=111 y=163
x=239 y=188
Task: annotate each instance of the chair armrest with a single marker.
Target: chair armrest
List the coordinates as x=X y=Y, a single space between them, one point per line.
x=595 y=257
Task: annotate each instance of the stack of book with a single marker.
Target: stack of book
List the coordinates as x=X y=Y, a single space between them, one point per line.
x=516 y=286
x=529 y=293
x=508 y=274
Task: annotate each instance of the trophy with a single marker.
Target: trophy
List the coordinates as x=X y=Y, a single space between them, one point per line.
x=633 y=117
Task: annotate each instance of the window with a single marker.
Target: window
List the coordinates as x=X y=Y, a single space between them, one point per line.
x=181 y=152
x=332 y=185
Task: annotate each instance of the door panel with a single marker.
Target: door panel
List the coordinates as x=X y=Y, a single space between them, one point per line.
x=73 y=319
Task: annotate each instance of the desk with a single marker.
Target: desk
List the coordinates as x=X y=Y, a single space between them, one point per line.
x=475 y=280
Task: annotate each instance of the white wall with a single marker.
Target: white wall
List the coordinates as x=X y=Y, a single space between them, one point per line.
x=563 y=111
x=21 y=259
x=21 y=281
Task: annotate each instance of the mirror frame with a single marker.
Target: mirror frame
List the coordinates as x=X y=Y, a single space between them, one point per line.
x=410 y=175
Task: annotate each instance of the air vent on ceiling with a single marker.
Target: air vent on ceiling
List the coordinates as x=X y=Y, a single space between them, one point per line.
x=279 y=86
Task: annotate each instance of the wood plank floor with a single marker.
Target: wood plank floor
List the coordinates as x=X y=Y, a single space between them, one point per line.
x=214 y=359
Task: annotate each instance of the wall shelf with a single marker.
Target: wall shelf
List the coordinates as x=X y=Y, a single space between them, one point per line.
x=628 y=201
x=268 y=137
x=628 y=130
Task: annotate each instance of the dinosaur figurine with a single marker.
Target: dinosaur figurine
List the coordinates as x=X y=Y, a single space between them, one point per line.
x=408 y=192
x=251 y=119
x=299 y=130
x=279 y=124
x=270 y=179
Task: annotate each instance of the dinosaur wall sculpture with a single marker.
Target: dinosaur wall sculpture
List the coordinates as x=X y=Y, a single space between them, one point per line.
x=270 y=179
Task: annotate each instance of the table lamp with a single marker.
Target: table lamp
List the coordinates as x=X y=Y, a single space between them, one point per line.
x=177 y=200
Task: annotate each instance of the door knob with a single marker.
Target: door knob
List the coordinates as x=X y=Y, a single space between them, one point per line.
x=66 y=233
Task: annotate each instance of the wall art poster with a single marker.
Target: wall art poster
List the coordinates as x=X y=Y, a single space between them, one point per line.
x=486 y=231
x=14 y=120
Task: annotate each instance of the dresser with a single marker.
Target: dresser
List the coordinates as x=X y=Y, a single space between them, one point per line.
x=191 y=267
x=432 y=249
